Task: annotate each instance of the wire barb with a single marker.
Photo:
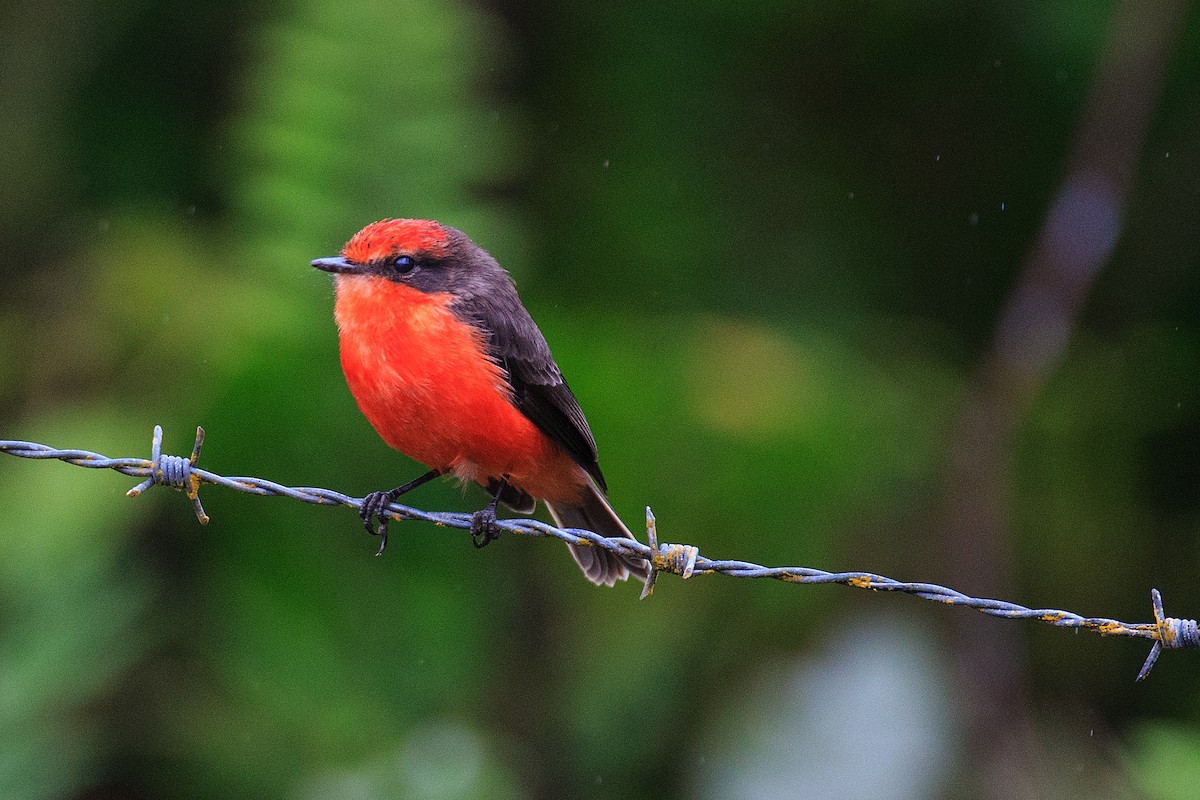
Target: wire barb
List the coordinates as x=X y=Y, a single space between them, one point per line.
x=1169 y=632
x=175 y=472
x=684 y=560
x=678 y=559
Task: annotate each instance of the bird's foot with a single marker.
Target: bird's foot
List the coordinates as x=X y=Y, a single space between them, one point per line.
x=375 y=505
x=483 y=527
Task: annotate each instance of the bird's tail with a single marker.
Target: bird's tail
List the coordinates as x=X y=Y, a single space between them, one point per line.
x=593 y=513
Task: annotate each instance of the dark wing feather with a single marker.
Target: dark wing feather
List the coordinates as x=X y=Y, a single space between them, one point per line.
x=554 y=409
x=487 y=298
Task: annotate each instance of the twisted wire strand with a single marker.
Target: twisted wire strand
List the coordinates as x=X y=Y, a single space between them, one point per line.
x=182 y=474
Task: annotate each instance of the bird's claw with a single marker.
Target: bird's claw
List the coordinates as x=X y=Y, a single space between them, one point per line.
x=375 y=505
x=484 y=528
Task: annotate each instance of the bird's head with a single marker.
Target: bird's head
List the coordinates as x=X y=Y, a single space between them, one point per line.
x=419 y=253
x=382 y=266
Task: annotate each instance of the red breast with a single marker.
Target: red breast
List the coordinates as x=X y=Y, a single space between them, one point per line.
x=423 y=378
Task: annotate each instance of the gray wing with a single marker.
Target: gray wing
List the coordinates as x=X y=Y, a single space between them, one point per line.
x=539 y=390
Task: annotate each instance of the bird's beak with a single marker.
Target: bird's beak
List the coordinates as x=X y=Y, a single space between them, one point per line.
x=337 y=264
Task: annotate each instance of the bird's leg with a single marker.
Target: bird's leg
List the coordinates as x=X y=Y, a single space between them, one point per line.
x=483 y=522
x=375 y=505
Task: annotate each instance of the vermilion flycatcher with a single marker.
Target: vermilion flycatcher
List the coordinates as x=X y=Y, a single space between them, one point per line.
x=451 y=370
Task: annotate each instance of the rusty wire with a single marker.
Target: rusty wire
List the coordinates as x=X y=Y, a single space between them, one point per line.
x=182 y=474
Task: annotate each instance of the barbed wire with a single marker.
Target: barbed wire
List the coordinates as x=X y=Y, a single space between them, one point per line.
x=182 y=474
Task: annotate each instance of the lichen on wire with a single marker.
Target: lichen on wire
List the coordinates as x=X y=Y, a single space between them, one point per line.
x=182 y=474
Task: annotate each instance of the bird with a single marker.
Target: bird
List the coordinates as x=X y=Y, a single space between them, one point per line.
x=449 y=368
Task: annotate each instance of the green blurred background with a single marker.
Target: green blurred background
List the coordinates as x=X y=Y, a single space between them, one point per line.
x=803 y=268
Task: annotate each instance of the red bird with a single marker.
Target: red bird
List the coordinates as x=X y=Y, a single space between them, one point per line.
x=450 y=369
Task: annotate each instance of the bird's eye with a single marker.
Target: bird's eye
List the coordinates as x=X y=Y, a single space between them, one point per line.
x=405 y=264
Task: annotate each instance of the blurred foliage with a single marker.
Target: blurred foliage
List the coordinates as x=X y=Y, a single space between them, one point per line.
x=767 y=241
